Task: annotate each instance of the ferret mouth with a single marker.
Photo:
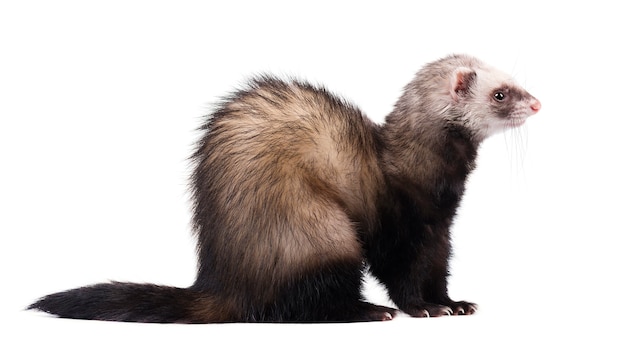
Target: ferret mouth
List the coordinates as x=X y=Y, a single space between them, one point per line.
x=515 y=122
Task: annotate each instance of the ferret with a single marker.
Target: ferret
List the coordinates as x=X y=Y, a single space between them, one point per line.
x=297 y=193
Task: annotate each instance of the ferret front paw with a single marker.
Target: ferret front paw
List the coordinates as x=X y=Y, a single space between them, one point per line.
x=427 y=310
x=463 y=308
x=438 y=310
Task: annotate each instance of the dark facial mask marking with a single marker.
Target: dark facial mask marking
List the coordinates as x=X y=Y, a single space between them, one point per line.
x=505 y=99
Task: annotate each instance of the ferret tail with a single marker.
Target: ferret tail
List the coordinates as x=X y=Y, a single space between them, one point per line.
x=129 y=302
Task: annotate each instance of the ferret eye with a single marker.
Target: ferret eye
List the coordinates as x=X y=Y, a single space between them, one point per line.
x=499 y=96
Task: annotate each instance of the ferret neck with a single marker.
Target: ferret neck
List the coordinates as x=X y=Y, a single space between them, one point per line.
x=427 y=152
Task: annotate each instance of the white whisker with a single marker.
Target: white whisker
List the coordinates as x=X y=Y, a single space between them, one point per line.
x=517 y=150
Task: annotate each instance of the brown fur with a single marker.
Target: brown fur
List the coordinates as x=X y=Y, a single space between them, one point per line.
x=300 y=181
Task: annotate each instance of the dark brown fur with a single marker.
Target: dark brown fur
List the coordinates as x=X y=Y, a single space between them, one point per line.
x=296 y=191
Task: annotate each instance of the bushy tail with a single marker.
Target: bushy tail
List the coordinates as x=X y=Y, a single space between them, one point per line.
x=128 y=302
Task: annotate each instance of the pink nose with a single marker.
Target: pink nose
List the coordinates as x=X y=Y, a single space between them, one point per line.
x=535 y=105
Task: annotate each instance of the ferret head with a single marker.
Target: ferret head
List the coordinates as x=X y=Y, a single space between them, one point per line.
x=488 y=100
x=468 y=92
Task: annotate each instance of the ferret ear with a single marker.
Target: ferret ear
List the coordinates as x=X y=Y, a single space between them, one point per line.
x=461 y=81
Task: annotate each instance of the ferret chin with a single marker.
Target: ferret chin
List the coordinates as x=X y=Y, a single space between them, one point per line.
x=296 y=191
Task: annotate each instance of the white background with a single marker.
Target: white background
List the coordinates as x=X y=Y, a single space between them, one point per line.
x=99 y=102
